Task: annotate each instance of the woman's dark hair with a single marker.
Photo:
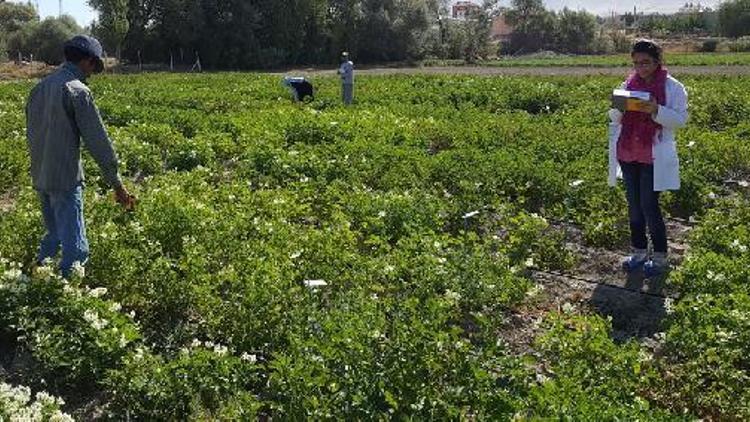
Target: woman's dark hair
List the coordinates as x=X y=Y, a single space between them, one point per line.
x=75 y=55
x=648 y=47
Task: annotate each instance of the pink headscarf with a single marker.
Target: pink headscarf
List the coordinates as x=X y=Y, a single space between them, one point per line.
x=639 y=129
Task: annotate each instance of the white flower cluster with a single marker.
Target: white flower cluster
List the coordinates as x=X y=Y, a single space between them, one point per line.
x=47 y=271
x=11 y=276
x=92 y=317
x=452 y=296
x=16 y=406
x=738 y=246
x=78 y=271
x=219 y=349
x=98 y=292
x=716 y=277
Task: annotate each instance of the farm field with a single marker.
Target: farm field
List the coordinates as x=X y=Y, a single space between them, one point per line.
x=391 y=260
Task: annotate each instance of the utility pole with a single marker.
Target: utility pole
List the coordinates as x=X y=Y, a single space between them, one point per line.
x=59 y=15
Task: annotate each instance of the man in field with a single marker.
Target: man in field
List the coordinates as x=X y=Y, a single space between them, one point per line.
x=59 y=113
x=346 y=71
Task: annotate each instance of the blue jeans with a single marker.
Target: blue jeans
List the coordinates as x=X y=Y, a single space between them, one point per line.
x=63 y=219
x=643 y=207
x=347 y=93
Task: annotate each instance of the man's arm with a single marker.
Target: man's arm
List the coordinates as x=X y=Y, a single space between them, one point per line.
x=97 y=142
x=95 y=136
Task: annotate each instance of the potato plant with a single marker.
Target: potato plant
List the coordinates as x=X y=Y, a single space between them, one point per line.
x=311 y=261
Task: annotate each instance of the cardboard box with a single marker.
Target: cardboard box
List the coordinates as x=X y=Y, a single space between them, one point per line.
x=624 y=100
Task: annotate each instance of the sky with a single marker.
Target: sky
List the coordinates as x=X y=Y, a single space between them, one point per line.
x=76 y=8
x=84 y=15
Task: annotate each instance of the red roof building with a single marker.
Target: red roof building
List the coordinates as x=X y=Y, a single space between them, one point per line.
x=464 y=9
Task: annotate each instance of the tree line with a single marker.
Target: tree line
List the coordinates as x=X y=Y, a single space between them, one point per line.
x=246 y=34
x=23 y=33
x=268 y=33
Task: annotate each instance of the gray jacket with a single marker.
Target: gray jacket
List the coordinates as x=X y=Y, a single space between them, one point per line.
x=59 y=113
x=346 y=70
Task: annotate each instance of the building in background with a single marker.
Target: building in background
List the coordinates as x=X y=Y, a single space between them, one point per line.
x=501 y=30
x=463 y=9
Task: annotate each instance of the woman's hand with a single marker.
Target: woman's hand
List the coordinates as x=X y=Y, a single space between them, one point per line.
x=651 y=107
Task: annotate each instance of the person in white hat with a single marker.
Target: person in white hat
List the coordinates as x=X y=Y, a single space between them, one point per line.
x=346 y=71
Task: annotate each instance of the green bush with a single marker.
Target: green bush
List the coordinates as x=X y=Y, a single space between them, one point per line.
x=16 y=403
x=740 y=45
x=73 y=334
x=709 y=46
x=591 y=377
x=202 y=382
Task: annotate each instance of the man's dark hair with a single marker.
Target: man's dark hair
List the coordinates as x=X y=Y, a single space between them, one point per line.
x=648 y=47
x=75 y=55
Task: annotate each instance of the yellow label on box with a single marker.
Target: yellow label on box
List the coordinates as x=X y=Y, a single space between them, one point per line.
x=625 y=100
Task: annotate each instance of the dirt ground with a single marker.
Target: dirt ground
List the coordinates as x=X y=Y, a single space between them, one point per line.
x=7 y=202
x=597 y=285
x=521 y=71
x=10 y=71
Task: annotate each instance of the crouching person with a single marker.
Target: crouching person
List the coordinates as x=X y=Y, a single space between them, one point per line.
x=299 y=87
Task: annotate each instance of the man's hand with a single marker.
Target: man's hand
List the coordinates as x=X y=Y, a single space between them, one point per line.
x=124 y=198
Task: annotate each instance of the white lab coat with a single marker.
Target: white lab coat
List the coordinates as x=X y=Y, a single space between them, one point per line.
x=671 y=116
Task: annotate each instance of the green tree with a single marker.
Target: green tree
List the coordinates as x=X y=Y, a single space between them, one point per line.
x=14 y=16
x=20 y=43
x=734 y=18
x=15 y=19
x=479 y=26
x=534 y=26
x=576 y=32
x=49 y=36
x=113 y=24
x=267 y=33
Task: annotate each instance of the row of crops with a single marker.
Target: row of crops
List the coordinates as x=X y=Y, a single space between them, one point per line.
x=421 y=209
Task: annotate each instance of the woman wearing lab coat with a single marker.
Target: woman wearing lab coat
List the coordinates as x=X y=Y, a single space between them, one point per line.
x=642 y=149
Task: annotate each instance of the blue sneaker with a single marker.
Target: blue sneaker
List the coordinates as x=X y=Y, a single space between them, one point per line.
x=634 y=263
x=652 y=269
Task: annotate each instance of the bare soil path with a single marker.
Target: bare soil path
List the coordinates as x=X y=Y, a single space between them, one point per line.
x=597 y=285
x=521 y=71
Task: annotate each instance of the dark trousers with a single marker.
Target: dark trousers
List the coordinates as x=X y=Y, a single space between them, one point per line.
x=643 y=207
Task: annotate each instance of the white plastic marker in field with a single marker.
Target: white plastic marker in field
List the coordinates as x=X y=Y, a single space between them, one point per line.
x=314 y=284
x=471 y=215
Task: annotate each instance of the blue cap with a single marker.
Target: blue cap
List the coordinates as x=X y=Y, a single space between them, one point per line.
x=90 y=46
